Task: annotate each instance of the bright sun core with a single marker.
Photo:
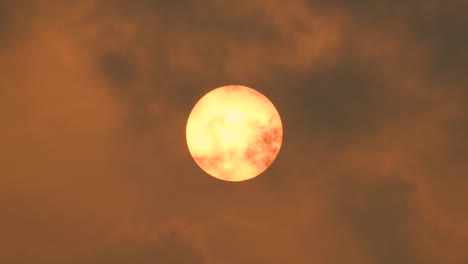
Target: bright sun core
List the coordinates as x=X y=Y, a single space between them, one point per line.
x=234 y=133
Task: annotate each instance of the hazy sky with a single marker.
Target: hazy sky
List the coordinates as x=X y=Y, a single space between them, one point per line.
x=95 y=95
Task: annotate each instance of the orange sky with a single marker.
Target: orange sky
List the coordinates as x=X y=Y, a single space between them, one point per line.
x=95 y=95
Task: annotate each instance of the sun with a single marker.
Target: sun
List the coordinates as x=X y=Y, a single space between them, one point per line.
x=234 y=133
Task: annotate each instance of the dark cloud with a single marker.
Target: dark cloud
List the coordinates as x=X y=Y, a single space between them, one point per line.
x=341 y=104
x=120 y=69
x=16 y=19
x=378 y=214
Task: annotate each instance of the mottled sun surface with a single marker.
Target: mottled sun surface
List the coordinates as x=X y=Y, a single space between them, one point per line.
x=234 y=133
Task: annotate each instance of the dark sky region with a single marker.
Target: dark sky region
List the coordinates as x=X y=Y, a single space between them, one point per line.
x=95 y=95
